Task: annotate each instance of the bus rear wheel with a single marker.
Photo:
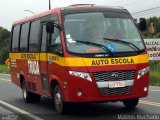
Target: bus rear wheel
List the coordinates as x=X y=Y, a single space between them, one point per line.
x=29 y=97
x=131 y=103
x=59 y=104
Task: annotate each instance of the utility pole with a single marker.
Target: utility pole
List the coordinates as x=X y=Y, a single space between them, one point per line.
x=49 y=4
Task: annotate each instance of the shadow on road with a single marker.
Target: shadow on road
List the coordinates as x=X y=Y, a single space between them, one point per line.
x=86 y=111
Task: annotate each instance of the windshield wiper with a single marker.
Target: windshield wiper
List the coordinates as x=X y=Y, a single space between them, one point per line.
x=124 y=43
x=97 y=45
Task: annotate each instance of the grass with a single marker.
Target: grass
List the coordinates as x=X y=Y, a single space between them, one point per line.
x=4 y=69
x=154 y=73
x=155 y=78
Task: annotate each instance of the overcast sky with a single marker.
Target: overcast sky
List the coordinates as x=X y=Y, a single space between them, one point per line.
x=11 y=10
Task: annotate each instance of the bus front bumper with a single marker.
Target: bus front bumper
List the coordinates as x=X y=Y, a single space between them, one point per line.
x=84 y=91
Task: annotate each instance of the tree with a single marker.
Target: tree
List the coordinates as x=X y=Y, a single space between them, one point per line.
x=4 y=54
x=4 y=44
x=153 y=28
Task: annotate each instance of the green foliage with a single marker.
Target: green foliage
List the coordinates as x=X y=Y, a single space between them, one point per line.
x=4 y=33
x=4 y=68
x=157 y=35
x=154 y=65
x=154 y=78
x=4 y=54
x=4 y=44
x=146 y=34
x=156 y=26
x=154 y=73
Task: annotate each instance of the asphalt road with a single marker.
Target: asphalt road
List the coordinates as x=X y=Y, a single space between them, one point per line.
x=6 y=114
x=11 y=94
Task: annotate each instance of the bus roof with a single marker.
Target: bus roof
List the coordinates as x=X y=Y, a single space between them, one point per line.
x=36 y=16
x=71 y=8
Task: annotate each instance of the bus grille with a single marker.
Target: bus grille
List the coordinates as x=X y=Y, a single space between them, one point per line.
x=113 y=91
x=109 y=76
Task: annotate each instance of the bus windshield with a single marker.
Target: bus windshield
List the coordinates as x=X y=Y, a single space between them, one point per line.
x=109 y=29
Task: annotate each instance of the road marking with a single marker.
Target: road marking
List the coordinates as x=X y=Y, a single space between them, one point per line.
x=154 y=90
x=5 y=74
x=149 y=103
x=5 y=79
x=20 y=110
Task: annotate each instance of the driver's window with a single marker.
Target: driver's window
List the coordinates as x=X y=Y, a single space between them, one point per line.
x=54 y=43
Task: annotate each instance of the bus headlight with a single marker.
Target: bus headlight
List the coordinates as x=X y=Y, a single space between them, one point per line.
x=81 y=74
x=142 y=72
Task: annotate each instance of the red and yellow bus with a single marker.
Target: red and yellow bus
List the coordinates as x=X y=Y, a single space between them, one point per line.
x=80 y=53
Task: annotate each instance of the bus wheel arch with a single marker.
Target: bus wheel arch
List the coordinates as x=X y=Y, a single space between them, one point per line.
x=28 y=96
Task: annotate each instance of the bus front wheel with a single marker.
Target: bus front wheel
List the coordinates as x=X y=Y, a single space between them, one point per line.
x=131 y=103
x=59 y=104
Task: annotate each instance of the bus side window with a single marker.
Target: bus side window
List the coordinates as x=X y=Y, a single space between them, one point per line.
x=44 y=38
x=54 y=44
x=34 y=36
x=24 y=37
x=15 y=38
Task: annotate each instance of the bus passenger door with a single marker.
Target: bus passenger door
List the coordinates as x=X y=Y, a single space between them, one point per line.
x=43 y=60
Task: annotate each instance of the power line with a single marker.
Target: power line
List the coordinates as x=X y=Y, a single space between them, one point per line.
x=139 y=13
x=120 y=1
x=134 y=2
x=147 y=11
x=128 y=2
x=142 y=11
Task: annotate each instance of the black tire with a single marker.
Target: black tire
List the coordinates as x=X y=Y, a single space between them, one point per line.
x=26 y=95
x=60 y=105
x=131 y=103
x=29 y=97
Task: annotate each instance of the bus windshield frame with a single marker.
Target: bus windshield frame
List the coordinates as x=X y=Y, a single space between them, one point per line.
x=99 y=24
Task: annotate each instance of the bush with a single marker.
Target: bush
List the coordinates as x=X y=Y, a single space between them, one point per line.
x=154 y=73
x=4 y=54
x=154 y=78
x=154 y=65
x=157 y=35
x=4 y=69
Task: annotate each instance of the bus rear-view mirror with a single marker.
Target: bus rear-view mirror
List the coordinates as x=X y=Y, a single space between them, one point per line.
x=50 y=25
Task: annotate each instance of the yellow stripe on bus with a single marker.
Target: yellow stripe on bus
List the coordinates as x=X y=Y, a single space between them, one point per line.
x=79 y=61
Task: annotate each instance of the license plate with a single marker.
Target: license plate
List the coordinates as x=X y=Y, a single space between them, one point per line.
x=117 y=84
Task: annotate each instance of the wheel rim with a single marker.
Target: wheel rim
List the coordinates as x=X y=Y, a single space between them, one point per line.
x=58 y=100
x=24 y=91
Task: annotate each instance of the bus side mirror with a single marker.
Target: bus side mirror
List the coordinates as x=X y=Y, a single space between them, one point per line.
x=142 y=24
x=50 y=25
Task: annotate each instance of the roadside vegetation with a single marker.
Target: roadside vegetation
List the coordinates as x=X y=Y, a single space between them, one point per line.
x=153 y=28
x=4 y=45
x=155 y=73
x=155 y=78
x=4 y=49
x=4 y=69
